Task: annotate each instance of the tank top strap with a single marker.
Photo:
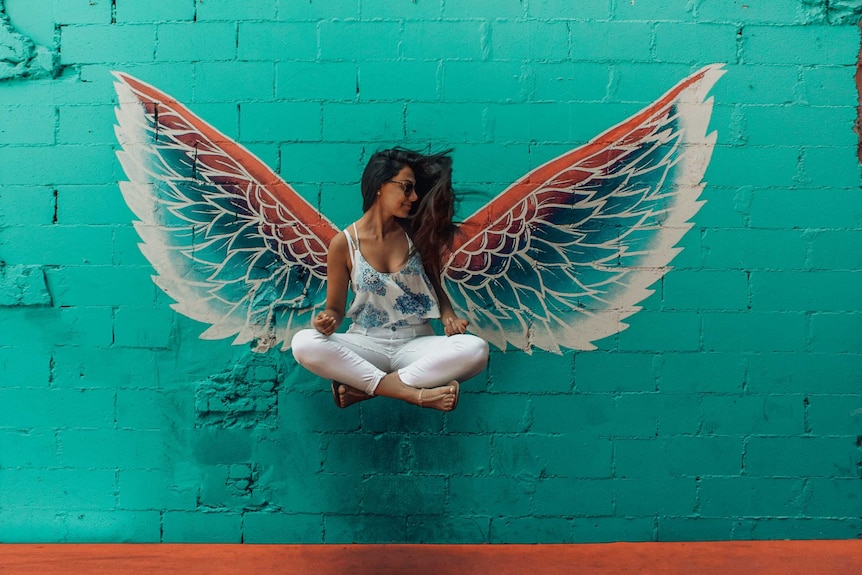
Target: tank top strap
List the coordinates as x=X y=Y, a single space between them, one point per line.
x=353 y=247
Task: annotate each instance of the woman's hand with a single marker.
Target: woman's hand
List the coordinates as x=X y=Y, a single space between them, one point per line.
x=453 y=325
x=325 y=323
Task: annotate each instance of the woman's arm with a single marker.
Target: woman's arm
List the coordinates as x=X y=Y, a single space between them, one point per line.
x=452 y=324
x=338 y=276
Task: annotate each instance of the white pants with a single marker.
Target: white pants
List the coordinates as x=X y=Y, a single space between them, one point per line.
x=361 y=357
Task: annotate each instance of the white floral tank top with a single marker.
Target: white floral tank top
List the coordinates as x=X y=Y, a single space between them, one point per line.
x=401 y=298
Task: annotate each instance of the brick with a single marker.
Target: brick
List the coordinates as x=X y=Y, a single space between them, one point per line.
x=27 y=124
x=196 y=527
x=449 y=123
x=277 y=528
x=74 y=327
x=98 y=285
x=40 y=166
x=280 y=121
x=799 y=125
x=28 y=449
x=57 y=245
x=830 y=167
x=774 y=208
x=155 y=11
x=759 y=84
x=748 y=497
x=396 y=81
x=836 y=249
x=26 y=205
x=833 y=497
x=529 y=530
x=668 y=330
x=563 y=456
x=110 y=527
x=800 y=45
x=649 y=415
x=275 y=41
x=427 y=10
x=807 y=291
x=576 y=530
x=23 y=286
x=126 y=449
x=184 y=42
x=328 y=81
x=318 y=10
x=590 y=415
x=755 y=249
x=654 y=497
x=514 y=161
x=259 y=10
x=611 y=41
x=533 y=41
x=487 y=495
x=545 y=122
x=702 y=372
x=483 y=81
x=753 y=331
x=73 y=12
x=835 y=332
x=156 y=489
x=85 y=125
x=115 y=43
x=773 y=166
x=802 y=457
x=359 y=40
x=75 y=205
x=752 y=414
x=363 y=122
x=249 y=81
x=696 y=43
x=804 y=373
x=695 y=528
x=705 y=290
x=567 y=82
x=56 y=489
x=383 y=453
x=312 y=162
x=364 y=528
x=772 y=528
x=448 y=454
x=79 y=368
x=554 y=9
x=828 y=86
x=677 y=456
x=765 y=11
x=483 y=9
x=142 y=409
x=443 y=39
x=835 y=414
x=555 y=497
x=443 y=529
x=510 y=372
x=43 y=408
x=604 y=371
x=20 y=370
x=383 y=494
x=486 y=413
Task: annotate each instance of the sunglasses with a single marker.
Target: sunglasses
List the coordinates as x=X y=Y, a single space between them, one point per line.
x=406 y=187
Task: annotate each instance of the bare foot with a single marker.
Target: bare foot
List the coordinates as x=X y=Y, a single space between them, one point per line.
x=345 y=396
x=443 y=398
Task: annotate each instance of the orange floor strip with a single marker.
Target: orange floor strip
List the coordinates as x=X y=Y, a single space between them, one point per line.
x=714 y=558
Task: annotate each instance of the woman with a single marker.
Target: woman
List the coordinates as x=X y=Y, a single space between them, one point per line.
x=391 y=257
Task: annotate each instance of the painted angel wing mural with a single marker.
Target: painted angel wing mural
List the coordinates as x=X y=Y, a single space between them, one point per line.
x=562 y=256
x=556 y=261
x=232 y=243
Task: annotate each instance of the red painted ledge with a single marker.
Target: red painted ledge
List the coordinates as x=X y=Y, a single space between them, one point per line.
x=714 y=558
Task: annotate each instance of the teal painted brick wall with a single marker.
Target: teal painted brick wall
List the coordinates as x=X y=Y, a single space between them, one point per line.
x=731 y=408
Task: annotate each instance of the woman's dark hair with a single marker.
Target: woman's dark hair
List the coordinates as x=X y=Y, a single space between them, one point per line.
x=430 y=223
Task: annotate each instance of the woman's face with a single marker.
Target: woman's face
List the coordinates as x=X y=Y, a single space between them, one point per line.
x=398 y=194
